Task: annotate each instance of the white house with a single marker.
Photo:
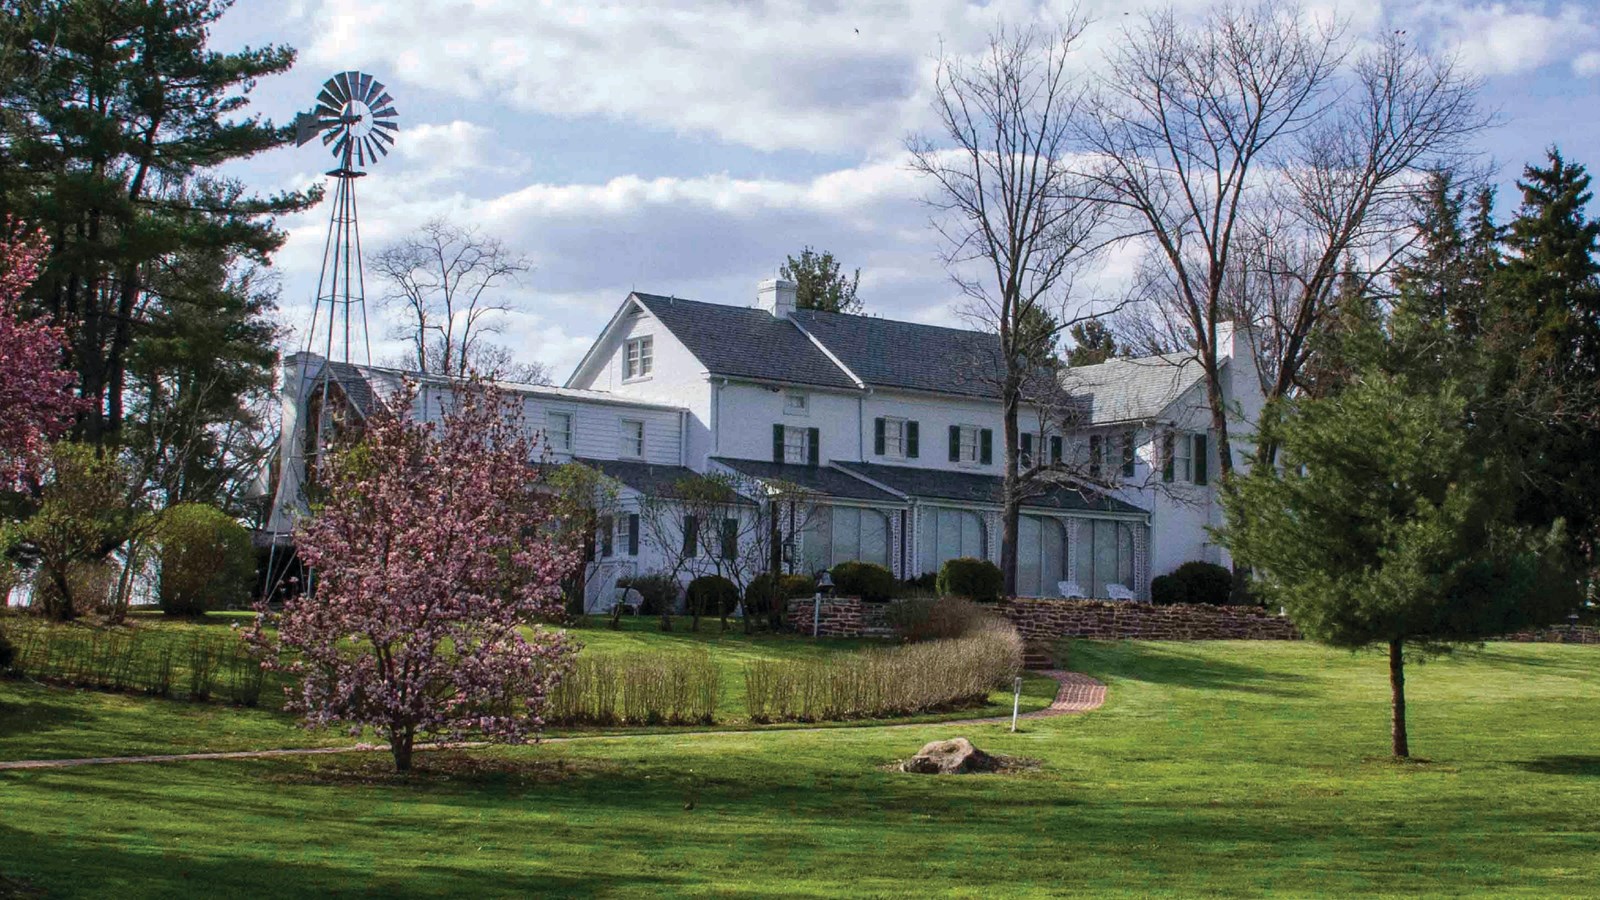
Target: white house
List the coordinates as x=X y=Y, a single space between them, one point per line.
x=892 y=428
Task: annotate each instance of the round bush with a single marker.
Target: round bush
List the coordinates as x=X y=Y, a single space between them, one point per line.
x=712 y=595
x=1205 y=582
x=205 y=558
x=759 y=596
x=975 y=579
x=658 y=592
x=1166 y=590
x=868 y=581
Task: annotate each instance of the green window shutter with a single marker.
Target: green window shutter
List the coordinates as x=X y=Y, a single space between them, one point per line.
x=691 y=536
x=1055 y=449
x=607 y=536
x=1200 y=453
x=1026 y=448
x=814 y=450
x=777 y=443
x=1130 y=451
x=633 y=534
x=955 y=443
x=1169 y=444
x=986 y=446
x=730 y=538
x=877 y=436
x=1096 y=450
x=911 y=440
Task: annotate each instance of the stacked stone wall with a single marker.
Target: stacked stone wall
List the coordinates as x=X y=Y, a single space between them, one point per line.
x=1048 y=620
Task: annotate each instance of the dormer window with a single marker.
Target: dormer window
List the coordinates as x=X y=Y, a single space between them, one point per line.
x=638 y=359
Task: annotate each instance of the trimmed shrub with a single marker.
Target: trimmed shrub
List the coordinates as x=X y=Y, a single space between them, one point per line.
x=869 y=581
x=937 y=675
x=975 y=579
x=922 y=586
x=712 y=595
x=934 y=620
x=658 y=592
x=1166 y=590
x=1193 y=582
x=205 y=558
x=759 y=596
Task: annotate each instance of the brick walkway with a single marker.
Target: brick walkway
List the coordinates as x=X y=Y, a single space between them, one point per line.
x=1078 y=693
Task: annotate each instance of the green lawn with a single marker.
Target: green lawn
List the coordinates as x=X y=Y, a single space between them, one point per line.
x=1214 y=768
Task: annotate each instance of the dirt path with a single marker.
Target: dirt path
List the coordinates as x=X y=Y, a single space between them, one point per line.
x=1078 y=693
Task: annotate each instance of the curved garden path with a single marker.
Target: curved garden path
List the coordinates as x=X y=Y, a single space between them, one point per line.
x=1077 y=693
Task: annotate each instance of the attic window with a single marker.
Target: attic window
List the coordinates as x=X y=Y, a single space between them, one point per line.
x=638 y=358
x=796 y=403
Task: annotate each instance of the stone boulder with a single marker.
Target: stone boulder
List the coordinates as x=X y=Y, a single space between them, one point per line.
x=956 y=756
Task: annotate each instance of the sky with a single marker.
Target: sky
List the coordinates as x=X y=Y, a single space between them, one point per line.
x=688 y=147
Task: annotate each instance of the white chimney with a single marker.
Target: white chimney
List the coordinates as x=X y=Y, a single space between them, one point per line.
x=776 y=296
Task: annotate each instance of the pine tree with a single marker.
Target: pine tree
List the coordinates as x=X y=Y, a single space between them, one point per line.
x=1092 y=342
x=819 y=283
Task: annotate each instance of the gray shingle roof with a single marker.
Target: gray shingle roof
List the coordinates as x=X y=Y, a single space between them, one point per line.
x=974 y=487
x=647 y=478
x=886 y=353
x=1131 y=390
x=745 y=342
x=824 y=480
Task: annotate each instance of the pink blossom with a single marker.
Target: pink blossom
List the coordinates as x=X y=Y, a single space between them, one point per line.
x=432 y=558
x=36 y=401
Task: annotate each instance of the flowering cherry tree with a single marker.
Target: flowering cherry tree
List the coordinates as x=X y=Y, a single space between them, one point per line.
x=36 y=401
x=431 y=557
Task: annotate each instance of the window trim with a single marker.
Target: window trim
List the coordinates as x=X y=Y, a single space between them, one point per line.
x=638 y=353
x=569 y=432
x=789 y=409
x=623 y=426
x=976 y=445
x=803 y=444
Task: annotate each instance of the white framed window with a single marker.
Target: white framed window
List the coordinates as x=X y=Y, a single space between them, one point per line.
x=796 y=403
x=558 y=431
x=632 y=438
x=969 y=445
x=638 y=359
x=796 y=445
x=1183 y=458
x=894 y=437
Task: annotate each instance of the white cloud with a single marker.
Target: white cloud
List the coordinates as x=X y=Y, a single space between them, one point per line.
x=1510 y=38
x=1587 y=64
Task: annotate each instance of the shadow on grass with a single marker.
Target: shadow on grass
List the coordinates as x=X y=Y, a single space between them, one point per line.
x=1178 y=668
x=1588 y=766
x=42 y=714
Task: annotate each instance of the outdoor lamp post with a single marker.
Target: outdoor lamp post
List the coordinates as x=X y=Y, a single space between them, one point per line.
x=824 y=586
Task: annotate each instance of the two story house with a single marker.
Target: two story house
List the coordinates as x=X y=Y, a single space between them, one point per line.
x=894 y=432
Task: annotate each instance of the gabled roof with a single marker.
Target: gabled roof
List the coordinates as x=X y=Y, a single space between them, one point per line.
x=977 y=488
x=1131 y=390
x=909 y=356
x=745 y=342
x=823 y=480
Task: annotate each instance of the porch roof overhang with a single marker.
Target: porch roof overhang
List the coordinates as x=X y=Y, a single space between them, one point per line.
x=827 y=482
x=977 y=489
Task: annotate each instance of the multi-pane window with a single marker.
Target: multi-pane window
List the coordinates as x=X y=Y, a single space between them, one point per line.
x=969 y=444
x=894 y=437
x=638 y=357
x=1130 y=449
x=796 y=445
x=1024 y=450
x=632 y=438
x=729 y=539
x=558 y=431
x=1184 y=457
x=796 y=403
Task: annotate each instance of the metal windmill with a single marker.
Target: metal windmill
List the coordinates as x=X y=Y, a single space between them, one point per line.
x=355 y=118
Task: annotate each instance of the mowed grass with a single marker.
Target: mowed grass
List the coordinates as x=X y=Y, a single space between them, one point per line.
x=40 y=721
x=1214 y=768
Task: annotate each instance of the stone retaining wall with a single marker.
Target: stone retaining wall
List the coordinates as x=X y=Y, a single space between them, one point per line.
x=1050 y=620
x=1559 y=634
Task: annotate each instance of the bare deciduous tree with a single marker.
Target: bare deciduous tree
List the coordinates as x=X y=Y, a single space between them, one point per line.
x=444 y=279
x=1016 y=217
x=1262 y=160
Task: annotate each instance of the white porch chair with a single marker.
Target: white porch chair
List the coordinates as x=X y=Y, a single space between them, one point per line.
x=1070 y=590
x=1119 y=592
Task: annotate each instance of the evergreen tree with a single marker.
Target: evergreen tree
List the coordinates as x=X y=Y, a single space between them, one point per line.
x=1542 y=349
x=119 y=106
x=819 y=283
x=1092 y=342
x=1390 y=524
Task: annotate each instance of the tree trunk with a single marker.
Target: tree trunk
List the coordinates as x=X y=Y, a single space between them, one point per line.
x=401 y=743
x=1011 y=499
x=1397 y=688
